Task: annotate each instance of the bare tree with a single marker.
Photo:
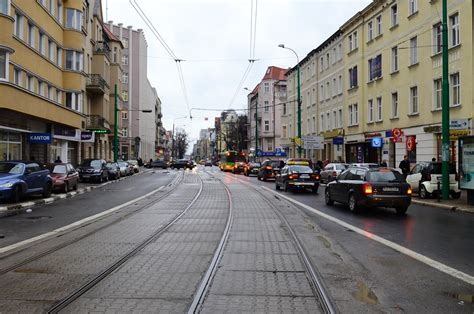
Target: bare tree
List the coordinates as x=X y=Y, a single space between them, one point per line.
x=181 y=142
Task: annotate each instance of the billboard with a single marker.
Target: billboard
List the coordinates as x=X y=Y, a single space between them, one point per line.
x=466 y=163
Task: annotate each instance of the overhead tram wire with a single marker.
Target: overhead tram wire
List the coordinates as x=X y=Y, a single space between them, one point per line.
x=168 y=49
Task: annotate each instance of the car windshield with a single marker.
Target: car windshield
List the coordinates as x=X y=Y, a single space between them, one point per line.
x=59 y=169
x=11 y=168
x=384 y=176
x=96 y=164
x=275 y=163
x=301 y=169
x=341 y=167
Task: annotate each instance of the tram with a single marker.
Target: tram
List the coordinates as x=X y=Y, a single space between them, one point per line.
x=229 y=158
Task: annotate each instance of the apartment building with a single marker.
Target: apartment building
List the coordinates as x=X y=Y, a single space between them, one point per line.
x=138 y=133
x=46 y=55
x=394 y=68
x=264 y=104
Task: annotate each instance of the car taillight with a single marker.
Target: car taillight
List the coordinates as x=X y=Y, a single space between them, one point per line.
x=293 y=176
x=367 y=189
x=315 y=176
x=409 y=191
x=334 y=174
x=269 y=168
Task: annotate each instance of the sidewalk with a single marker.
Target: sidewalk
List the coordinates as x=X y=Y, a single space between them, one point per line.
x=451 y=204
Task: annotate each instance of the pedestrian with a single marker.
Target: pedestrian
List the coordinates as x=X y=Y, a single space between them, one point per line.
x=433 y=159
x=58 y=160
x=405 y=166
x=383 y=163
x=140 y=161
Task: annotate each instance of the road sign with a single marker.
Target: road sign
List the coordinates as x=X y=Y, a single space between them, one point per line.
x=397 y=132
x=313 y=142
x=298 y=141
x=459 y=124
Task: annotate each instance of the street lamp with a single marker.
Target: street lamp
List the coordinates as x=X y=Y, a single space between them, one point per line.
x=116 y=110
x=172 y=145
x=299 y=96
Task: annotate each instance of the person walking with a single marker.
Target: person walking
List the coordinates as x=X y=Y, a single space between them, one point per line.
x=405 y=166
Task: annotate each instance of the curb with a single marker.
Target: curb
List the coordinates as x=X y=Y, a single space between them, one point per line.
x=14 y=209
x=444 y=206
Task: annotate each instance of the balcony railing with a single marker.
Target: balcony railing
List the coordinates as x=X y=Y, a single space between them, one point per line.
x=102 y=47
x=97 y=123
x=96 y=84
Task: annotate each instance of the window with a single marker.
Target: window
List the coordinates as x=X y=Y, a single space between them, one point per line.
x=321 y=64
x=52 y=7
x=370 y=30
x=395 y=59
x=413 y=100
x=378 y=22
x=125 y=43
x=455 y=89
x=266 y=87
x=124 y=60
x=284 y=132
x=370 y=111
x=59 y=56
x=3 y=65
x=454 y=24
x=74 y=101
x=437 y=94
x=19 y=25
x=59 y=15
x=124 y=115
x=413 y=51
x=437 y=38
x=125 y=78
x=125 y=132
x=59 y=96
x=125 y=95
x=74 y=19
x=321 y=123
x=353 y=41
x=313 y=129
x=334 y=87
x=328 y=90
x=339 y=55
x=394 y=14
x=308 y=126
x=31 y=35
x=375 y=68
x=51 y=50
x=334 y=119
x=339 y=123
x=267 y=108
x=42 y=48
x=5 y=7
x=321 y=93
x=74 y=60
x=412 y=7
x=339 y=84
x=267 y=125
x=328 y=121
x=284 y=108
x=353 y=115
x=379 y=109
x=353 y=77
x=327 y=60
x=41 y=88
x=334 y=55
x=395 y=105
x=31 y=83
x=17 y=77
x=50 y=92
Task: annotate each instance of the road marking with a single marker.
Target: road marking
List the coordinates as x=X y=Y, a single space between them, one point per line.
x=74 y=224
x=419 y=257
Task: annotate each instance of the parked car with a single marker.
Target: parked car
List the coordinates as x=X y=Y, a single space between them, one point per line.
x=294 y=177
x=365 y=165
x=331 y=171
x=370 y=187
x=269 y=169
x=134 y=164
x=424 y=176
x=93 y=170
x=208 y=163
x=159 y=163
x=252 y=168
x=239 y=167
x=18 y=178
x=180 y=164
x=125 y=168
x=64 y=176
x=114 y=170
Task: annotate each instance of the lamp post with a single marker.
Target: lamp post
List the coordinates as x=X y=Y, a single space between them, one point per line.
x=299 y=96
x=172 y=143
x=445 y=111
x=116 y=110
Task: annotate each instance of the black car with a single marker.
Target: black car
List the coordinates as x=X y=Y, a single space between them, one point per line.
x=252 y=168
x=239 y=167
x=297 y=177
x=159 y=163
x=180 y=164
x=370 y=187
x=93 y=170
x=114 y=170
x=269 y=169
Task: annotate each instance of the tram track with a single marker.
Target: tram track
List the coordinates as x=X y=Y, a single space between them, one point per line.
x=315 y=278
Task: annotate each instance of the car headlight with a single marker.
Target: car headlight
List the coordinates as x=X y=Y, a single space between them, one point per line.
x=97 y=171
x=6 y=185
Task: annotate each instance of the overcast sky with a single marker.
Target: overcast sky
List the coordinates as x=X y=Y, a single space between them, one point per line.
x=213 y=36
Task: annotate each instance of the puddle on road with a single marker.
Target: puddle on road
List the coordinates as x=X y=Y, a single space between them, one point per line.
x=365 y=294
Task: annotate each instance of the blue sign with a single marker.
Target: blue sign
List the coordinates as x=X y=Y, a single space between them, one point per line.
x=338 y=141
x=280 y=154
x=376 y=142
x=40 y=138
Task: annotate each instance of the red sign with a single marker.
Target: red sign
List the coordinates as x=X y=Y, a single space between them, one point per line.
x=396 y=139
x=397 y=132
x=372 y=135
x=411 y=143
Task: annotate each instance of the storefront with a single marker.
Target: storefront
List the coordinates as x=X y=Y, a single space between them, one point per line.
x=366 y=148
x=10 y=145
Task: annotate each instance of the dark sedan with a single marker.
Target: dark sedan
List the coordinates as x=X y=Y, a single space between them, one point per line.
x=180 y=164
x=114 y=170
x=93 y=170
x=269 y=169
x=297 y=177
x=159 y=163
x=239 y=167
x=65 y=177
x=252 y=168
x=370 y=187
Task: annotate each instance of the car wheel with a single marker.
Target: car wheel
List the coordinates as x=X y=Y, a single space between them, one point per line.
x=66 y=187
x=47 y=190
x=264 y=178
x=423 y=193
x=327 y=198
x=401 y=210
x=456 y=195
x=352 y=203
x=16 y=194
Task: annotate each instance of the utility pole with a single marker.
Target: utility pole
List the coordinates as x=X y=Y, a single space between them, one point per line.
x=256 y=128
x=445 y=113
x=299 y=110
x=115 y=125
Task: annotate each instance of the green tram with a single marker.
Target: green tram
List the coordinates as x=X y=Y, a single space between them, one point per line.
x=229 y=158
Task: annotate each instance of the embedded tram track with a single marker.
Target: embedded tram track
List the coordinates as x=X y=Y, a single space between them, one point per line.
x=315 y=278
x=174 y=184
x=68 y=300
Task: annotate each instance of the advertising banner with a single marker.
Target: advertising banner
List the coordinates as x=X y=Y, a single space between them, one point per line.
x=40 y=138
x=466 y=163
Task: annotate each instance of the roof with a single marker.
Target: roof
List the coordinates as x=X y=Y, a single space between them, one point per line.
x=275 y=73
x=109 y=33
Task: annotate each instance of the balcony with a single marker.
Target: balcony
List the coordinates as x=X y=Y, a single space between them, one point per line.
x=102 y=47
x=96 y=84
x=98 y=124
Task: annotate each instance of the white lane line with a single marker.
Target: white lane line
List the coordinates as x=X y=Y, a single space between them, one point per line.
x=74 y=224
x=419 y=257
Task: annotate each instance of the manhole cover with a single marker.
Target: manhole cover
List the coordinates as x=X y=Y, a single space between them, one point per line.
x=39 y=217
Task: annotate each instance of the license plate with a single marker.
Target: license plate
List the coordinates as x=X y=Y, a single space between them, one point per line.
x=305 y=176
x=304 y=183
x=390 y=189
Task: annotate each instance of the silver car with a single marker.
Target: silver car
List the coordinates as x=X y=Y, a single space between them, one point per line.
x=134 y=164
x=124 y=168
x=331 y=171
